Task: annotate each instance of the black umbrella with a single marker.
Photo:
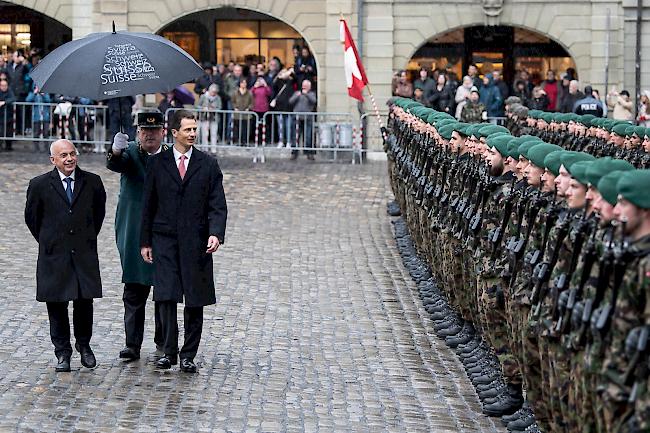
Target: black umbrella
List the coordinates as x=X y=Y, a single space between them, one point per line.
x=109 y=65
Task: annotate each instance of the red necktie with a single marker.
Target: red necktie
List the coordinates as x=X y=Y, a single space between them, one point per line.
x=181 y=166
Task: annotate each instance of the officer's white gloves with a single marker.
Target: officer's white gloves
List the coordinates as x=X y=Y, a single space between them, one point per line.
x=120 y=142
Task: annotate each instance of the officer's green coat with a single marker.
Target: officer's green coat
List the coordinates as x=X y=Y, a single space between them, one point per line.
x=131 y=163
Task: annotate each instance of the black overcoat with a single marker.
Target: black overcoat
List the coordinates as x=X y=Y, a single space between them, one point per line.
x=68 y=266
x=178 y=216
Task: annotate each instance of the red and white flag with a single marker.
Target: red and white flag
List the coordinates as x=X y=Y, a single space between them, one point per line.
x=355 y=75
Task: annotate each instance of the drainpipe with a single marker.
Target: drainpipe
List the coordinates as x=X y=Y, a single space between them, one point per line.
x=637 y=66
x=360 y=107
x=360 y=12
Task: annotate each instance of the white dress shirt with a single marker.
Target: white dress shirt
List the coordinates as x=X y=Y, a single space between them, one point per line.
x=63 y=177
x=177 y=157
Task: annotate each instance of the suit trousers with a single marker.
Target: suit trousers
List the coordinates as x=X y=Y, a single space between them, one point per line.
x=193 y=318
x=135 y=299
x=82 y=320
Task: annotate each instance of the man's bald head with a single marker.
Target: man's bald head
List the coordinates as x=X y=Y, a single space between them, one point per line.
x=55 y=146
x=63 y=154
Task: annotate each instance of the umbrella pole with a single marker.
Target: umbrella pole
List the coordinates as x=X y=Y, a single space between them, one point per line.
x=119 y=109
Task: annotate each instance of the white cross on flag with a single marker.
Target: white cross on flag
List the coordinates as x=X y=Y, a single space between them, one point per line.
x=355 y=75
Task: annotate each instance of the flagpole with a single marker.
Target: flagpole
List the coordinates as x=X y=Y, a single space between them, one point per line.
x=374 y=106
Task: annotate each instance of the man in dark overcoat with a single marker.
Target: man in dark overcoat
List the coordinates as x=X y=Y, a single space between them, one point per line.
x=64 y=212
x=183 y=223
x=130 y=159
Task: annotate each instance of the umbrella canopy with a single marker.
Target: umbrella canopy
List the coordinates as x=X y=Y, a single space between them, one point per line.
x=184 y=96
x=109 y=65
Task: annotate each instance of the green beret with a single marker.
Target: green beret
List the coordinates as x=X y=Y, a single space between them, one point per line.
x=579 y=171
x=607 y=186
x=552 y=162
x=527 y=145
x=410 y=105
x=418 y=110
x=476 y=127
x=513 y=148
x=621 y=129
x=446 y=131
x=537 y=153
x=639 y=131
x=647 y=132
x=461 y=128
x=586 y=119
x=629 y=131
x=500 y=143
x=444 y=122
x=602 y=166
x=546 y=117
x=570 y=158
x=634 y=186
x=491 y=129
x=609 y=124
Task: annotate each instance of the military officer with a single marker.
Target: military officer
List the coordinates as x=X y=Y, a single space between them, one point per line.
x=130 y=160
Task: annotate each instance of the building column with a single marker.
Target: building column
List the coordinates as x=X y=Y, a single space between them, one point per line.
x=107 y=11
x=379 y=52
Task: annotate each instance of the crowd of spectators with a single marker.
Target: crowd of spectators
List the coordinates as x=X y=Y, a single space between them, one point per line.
x=480 y=97
x=27 y=111
x=258 y=88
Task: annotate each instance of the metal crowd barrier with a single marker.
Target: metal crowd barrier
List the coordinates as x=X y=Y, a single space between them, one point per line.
x=324 y=133
x=331 y=135
x=45 y=122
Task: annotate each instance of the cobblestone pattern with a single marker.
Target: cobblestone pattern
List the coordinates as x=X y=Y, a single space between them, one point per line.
x=317 y=326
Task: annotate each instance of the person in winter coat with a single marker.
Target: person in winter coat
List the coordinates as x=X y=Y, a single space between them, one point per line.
x=491 y=97
x=569 y=100
x=130 y=160
x=540 y=100
x=497 y=78
x=261 y=92
x=551 y=87
x=644 y=109
x=462 y=94
x=242 y=101
x=621 y=104
x=402 y=86
x=40 y=118
x=441 y=98
x=424 y=83
x=306 y=66
x=209 y=101
x=184 y=216
x=473 y=111
x=283 y=88
x=64 y=211
x=7 y=98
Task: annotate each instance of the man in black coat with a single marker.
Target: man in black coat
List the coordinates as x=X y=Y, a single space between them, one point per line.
x=183 y=222
x=64 y=212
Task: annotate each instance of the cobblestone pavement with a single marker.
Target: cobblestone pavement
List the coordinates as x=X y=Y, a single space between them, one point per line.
x=317 y=326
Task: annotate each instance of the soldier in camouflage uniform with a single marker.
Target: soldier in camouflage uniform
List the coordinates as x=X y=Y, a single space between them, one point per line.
x=488 y=212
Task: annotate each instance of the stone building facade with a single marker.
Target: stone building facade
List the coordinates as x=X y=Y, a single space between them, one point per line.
x=394 y=29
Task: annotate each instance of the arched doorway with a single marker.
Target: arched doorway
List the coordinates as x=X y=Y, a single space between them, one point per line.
x=236 y=35
x=24 y=29
x=505 y=48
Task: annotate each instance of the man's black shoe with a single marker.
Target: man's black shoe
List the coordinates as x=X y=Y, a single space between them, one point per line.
x=130 y=353
x=87 y=356
x=165 y=362
x=63 y=364
x=188 y=366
